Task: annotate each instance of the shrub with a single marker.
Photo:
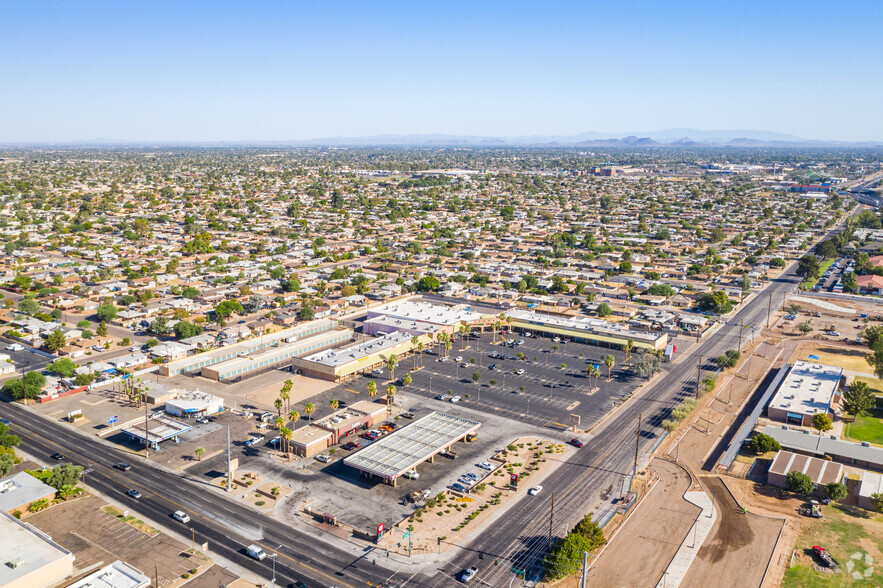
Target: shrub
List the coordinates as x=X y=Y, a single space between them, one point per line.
x=761 y=443
x=799 y=483
x=17 y=514
x=260 y=503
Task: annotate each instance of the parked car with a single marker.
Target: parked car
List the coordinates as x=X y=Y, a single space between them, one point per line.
x=519 y=372
x=254 y=441
x=323 y=458
x=455 y=399
x=202 y=421
x=133 y=493
x=458 y=359
x=442 y=397
x=471 y=476
x=122 y=466
x=535 y=490
x=459 y=487
x=466 y=481
x=407 y=415
x=576 y=443
x=379 y=372
x=275 y=441
x=486 y=465
x=412 y=475
x=181 y=516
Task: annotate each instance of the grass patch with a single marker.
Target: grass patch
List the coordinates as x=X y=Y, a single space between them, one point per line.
x=874 y=384
x=851 y=359
x=844 y=532
x=823 y=267
x=130 y=520
x=866 y=428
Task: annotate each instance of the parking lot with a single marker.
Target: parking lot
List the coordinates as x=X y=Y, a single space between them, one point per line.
x=544 y=395
x=24 y=360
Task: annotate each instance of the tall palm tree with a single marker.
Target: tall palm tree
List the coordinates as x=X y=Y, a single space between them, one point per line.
x=448 y=346
x=391 y=362
x=629 y=345
x=390 y=396
x=278 y=404
x=464 y=335
x=420 y=352
x=309 y=409
x=415 y=340
x=279 y=421
x=609 y=361
x=372 y=389
x=286 y=434
x=496 y=327
x=293 y=416
x=334 y=404
x=285 y=394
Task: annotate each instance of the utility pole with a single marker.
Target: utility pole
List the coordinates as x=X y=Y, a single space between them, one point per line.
x=146 y=433
x=769 y=308
x=229 y=471
x=698 y=376
x=551 y=514
x=637 y=443
x=741 y=328
x=155 y=575
x=582 y=582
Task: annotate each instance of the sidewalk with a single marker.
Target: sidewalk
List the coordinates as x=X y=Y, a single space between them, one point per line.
x=683 y=559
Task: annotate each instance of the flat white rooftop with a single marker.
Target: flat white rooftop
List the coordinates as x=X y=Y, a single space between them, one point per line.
x=405 y=448
x=119 y=574
x=339 y=357
x=27 y=548
x=159 y=428
x=808 y=389
x=587 y=324
x=426 y=312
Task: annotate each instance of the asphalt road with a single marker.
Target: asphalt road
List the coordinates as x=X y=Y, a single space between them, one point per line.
x=227 y=526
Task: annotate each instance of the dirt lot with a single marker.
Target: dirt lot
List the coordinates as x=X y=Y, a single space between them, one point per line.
x=850 y=357
x=739 y=546
x=651 y=535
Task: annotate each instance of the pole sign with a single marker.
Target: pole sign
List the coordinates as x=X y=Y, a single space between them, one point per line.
x=380 y=529
x=113 y=419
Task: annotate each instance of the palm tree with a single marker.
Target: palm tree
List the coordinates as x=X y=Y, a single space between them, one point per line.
x=420 y=351
x=285 y=394
x=609 y=361
x=448 y=346
x=278 y=404
x=309 y=409
x=390 y=396
x=293 y=416
x=391 y=362
x=278 y=421
x=286 y=434
x=629 y=345
x=496 y=326
x=596 y=373
x=334 y=404
x=464 y=335
x=199 y=451
x=372 y=389
x=415 y=340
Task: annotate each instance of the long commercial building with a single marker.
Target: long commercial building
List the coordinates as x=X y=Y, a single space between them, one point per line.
x=195 y=363
x=340 y=364
x=242 y=367
x=587 y=330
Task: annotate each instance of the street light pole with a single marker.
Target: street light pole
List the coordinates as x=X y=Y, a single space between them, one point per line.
x=274 y=556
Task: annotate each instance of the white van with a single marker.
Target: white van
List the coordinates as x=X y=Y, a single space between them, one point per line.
x=255 y=552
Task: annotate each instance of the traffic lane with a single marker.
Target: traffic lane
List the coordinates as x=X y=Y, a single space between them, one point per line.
x=190 y=499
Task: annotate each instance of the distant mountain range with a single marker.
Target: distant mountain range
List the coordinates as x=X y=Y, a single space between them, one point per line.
x=679 y=138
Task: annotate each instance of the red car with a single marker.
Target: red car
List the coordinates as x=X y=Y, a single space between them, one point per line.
x=576 y=443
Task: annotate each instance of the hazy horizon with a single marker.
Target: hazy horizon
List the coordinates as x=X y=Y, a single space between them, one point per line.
x=285 y=72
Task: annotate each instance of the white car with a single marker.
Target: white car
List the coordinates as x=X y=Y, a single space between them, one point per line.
x=458 y=359
x=455 y=399
x=181 y=516
x=97 y=348
x=135 y=348
x=254 y=441
x=466 y=481
x=486 y=465
x=535 y=490
x=14 y=347
x=519 y=372
x=412 y=475
x=323 y=458
x=556 y=340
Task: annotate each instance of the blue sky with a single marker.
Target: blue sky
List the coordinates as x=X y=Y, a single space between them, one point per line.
x=209 y=71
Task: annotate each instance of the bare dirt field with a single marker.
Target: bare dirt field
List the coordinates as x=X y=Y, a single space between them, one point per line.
x=651 y=535
x=844 y=356
x=738 y=547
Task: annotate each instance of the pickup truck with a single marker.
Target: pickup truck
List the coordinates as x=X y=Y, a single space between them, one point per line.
x=468 y=574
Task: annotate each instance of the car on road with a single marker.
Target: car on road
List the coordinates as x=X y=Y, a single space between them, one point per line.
x=5 y=422
x=122 y=466
x=254 y=441
x=323 y=458
x=181 y=516
x=519 y=372
x=442 y=397
x=468 y=574
x=412 y=475
x=535 y=490
x=57 y=456
x=486 y=465
x=133 y=493
x=459 y=487
x=256 y=552
x=576 y=443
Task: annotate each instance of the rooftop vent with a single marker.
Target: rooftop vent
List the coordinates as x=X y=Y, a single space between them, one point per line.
x=15 y=563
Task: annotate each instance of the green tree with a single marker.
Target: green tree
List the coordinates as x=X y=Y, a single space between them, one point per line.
x=609 y=361
x=761 y=443
x=62 y=367
x=372 y=388
x=821 y=422
x=407 y=379
x=647 y=365
x=604 y=310
x=391 y=363
x=106 y=313
x=591 y=531
x=55 y=341
x=799 y=483
x=476 y=376
x=101 y=331
x=33 y=385
x=7 y=462
x=428 y=284
x=309 y=409
x=858 y=399
x=186 y=329
x=199 y=451
x=29 y=306
x=66 y=474
x=836 y=491
x=808 y=267
x=7 y=438
x=566 y=556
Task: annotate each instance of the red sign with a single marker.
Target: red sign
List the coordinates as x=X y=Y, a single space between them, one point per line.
x=513 y=477
x=380 y=528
